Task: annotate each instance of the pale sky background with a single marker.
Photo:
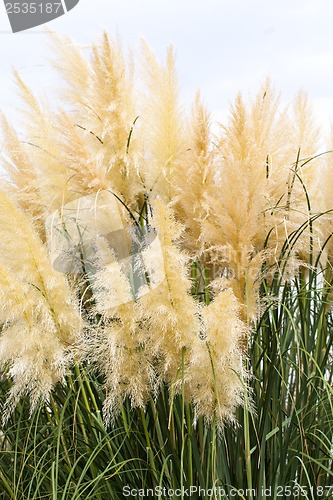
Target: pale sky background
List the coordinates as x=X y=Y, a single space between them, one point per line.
x=223 y=46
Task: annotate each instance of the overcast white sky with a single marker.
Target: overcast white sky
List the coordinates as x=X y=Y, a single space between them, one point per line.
x=223 y=46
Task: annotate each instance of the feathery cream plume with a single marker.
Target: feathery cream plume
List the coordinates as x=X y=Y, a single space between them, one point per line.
x=198 y=168
x=256 y=193
x=38 y=313
x=21 y=176
x=161 y=125
x=218 y=355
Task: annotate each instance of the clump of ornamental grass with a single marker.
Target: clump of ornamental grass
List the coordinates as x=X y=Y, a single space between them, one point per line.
x=133 y=240
x=157 y=277
x=96 y=186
